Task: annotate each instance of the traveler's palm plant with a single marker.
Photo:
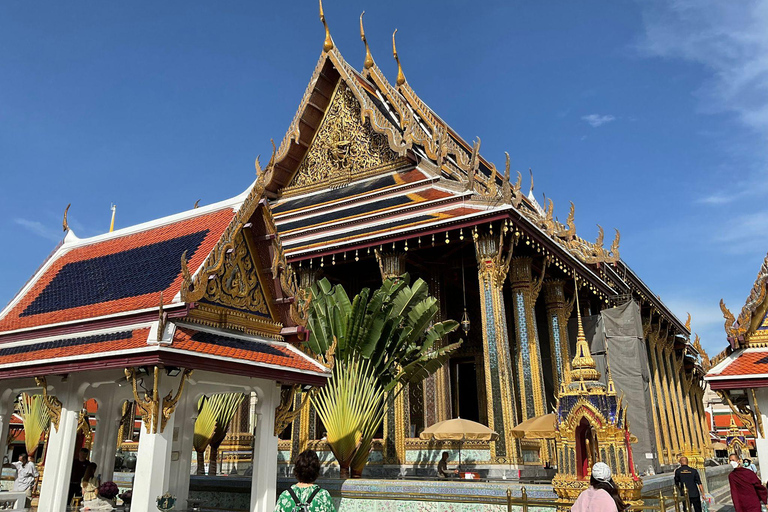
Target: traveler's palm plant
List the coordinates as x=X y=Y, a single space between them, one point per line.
x=380 y=341
x=214 y=415
x=35 y=418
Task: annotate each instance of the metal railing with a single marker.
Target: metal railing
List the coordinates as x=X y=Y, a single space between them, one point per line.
x=676 y=502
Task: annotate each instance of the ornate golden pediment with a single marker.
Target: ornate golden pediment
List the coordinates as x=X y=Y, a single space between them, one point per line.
x=343 y=147
x=236 y=284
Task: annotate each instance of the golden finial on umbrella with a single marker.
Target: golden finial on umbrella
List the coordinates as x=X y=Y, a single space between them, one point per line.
x=368 y=63
x=328 y=43
x=400 y=75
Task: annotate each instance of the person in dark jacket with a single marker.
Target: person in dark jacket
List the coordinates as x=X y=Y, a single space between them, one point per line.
x=689 y=477
x=747 y=492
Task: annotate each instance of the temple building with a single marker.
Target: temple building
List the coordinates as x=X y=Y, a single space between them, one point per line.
x=740 y=373
x=369 y=182
x=151 y=318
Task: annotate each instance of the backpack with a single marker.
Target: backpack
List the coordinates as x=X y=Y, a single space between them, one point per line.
x=301 y=506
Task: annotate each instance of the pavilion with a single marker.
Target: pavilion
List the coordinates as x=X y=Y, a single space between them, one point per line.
x=740 y=373
x=159 y=314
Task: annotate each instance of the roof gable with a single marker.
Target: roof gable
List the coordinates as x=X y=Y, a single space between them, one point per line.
x=117 y=274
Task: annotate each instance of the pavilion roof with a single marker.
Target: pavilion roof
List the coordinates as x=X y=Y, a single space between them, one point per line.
x=118 y=272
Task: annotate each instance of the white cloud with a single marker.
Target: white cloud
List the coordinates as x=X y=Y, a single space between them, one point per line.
x=595 y=120
x=39 y=229
x=730 y=40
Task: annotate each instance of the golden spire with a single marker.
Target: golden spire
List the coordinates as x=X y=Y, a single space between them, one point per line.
x=328 y=43
x=400 y=75
x=583 y=366
x=112 y=224
x=368 y=63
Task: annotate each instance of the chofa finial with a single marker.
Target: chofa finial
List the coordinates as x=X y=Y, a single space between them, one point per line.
x=65 y=224
x=328 y=43
x=368 y=63
x=400 y=75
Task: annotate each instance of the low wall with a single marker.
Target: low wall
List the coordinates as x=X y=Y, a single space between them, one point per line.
x=405 y=495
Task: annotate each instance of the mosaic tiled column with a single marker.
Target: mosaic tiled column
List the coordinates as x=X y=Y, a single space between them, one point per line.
x=558 y=312
x=397 y=416
x=531 y=381
x=500 y=405
x=665 y=452
x=701 y=419
x=300 y=427
x=696 y=446
x=436 y=388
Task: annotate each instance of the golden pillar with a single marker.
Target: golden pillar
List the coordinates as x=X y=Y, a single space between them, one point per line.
x=397 y=416
x=672 y=411
x=497 y=364
x=437 y=388
x=558 y=312
x=524 y=294
x=665 y=455
x=677 y=369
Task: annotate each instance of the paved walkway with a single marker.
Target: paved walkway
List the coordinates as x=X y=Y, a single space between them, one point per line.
x=723 y=501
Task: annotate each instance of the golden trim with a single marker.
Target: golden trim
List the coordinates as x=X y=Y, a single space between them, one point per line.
x=156 y=412
x=51 y=402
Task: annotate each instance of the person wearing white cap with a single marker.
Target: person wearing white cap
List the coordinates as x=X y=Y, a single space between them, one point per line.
x=601 y=495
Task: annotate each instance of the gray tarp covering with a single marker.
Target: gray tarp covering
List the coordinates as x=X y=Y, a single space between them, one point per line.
x=622 y=330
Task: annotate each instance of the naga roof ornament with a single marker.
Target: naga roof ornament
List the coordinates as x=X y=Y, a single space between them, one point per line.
x=65 y=224
x=328 y=43
x=737 y=328
x=400 y=75
x=368 y=62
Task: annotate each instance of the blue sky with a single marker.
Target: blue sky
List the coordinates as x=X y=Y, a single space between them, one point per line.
x=651 y=116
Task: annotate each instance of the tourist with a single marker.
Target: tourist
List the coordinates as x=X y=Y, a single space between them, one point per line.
x=747 y=492
x=305 y=496
x=748 y=464
x=689 y=477
x=602 y=495
x=90 y=484
x=442 y=467
x=78 y=470
x=26 y=475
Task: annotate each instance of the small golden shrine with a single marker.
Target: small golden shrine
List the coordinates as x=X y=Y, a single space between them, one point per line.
x=591 y=427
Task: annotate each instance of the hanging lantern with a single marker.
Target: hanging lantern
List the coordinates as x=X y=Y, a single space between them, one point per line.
x=465 y=322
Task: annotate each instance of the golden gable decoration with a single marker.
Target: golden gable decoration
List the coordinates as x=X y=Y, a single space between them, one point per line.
x=344 y=146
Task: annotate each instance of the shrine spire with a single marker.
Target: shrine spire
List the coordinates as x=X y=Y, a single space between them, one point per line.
x=583 y=366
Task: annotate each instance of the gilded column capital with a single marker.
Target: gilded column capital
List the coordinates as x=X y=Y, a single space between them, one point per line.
x=156 y=411
x=490 y=259
x=554 y=293
x=51 y=403
x=391 y=264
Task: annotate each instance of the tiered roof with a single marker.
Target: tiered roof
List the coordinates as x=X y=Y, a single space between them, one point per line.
x=366 y=162
x=208 y=288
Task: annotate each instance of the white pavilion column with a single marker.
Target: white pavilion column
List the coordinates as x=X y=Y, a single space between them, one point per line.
x=761 y=442
x=105 y=446
x=181 y=453
x=264 y=480
x=60 y=452
x=152 y=467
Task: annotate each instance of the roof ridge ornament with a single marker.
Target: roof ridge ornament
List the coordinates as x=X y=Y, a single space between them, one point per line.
x=328 y=43
x=583 y=367
x=400 y=76
x=65 y=224
x=368 y=63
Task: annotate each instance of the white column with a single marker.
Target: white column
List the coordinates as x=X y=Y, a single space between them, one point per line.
x=152 y=467
x=60 y=453
x=761 y=442
x=6 y=411
x=181 y=454
x=264 y=480
x=105 y=442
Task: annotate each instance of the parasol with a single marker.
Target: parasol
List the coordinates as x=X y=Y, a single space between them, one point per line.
x=459 y=430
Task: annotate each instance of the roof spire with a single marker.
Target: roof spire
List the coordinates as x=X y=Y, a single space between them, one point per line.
x=368 y=63
x=400 y=75
x=64 y=223
x=328 y=43
x=583 y=367
x=112 y=224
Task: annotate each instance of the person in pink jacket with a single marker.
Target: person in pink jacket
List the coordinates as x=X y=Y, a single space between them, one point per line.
x=601 y=495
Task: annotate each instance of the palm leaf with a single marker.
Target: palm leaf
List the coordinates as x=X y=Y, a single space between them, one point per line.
x=36 y=418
